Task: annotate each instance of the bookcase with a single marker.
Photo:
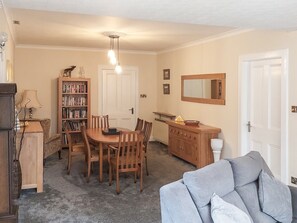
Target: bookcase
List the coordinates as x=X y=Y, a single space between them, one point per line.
x=74 y=107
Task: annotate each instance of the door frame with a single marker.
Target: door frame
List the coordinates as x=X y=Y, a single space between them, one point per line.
x=100 y=86
x=243 y=71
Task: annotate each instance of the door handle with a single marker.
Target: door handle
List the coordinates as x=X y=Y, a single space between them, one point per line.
x=249 y=126
x=132 y=110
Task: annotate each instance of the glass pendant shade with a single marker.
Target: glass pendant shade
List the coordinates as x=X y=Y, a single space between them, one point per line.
x=118 y=69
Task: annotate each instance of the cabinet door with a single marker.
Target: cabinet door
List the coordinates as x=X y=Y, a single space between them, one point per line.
x=188 y=151
x=174 y=146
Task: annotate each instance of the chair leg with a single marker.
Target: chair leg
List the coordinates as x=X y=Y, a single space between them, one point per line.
x=69 y=164
x=147 y=173
x=141 y=173
x=118 y=181
x=110 y=174
x=89 y=172
x=59 y=152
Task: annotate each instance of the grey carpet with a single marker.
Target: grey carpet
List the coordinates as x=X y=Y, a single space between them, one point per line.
x=68 y=198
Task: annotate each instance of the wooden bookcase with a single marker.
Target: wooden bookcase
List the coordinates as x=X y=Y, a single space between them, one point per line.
x=74 y=106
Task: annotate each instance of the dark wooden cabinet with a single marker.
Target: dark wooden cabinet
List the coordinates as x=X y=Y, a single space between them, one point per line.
x=8 y=212
x=192 y=143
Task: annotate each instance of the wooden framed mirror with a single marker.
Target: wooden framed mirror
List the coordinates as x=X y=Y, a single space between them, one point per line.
x=204 y=88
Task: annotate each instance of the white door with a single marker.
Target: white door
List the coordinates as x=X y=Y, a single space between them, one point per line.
x=265 y=111
x=119 y=93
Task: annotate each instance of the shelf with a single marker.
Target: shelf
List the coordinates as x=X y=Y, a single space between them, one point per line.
x=74 y=106
x=163 y=117
x=74 y=93
x=73 y=119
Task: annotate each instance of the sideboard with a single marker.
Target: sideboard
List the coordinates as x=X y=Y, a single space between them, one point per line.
x=192 y=143
x=31 y=157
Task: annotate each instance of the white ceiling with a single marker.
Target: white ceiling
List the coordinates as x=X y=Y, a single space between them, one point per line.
x=149 y=25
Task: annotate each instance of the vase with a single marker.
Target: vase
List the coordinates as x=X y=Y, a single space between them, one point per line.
x=216 y=145
x=16 y=179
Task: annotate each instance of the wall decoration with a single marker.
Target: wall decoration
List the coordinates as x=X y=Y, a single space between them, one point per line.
x=67 y=71
x=166 y=74
x=166 y=89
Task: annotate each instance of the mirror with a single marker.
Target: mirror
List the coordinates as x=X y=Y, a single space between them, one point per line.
x=204 y=88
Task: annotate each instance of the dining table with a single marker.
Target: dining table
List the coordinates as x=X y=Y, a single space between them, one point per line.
x=96 y=136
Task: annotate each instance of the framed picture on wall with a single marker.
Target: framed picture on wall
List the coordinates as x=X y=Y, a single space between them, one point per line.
x=166 y=74
x=166 y=89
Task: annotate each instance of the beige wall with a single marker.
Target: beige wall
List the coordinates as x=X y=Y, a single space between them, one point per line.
x=9 y=46
x=39 y=69
x=222 y=56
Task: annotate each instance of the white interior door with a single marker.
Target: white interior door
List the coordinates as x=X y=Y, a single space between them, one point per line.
x=119 y=93
x=265 y=111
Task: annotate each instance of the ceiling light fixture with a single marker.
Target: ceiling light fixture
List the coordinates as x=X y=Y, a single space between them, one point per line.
x=113 y=53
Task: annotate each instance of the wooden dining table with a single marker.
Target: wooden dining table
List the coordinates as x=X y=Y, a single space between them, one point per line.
x=96 y=136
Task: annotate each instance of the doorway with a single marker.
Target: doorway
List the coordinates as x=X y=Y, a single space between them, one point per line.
x=263 y=108
x=119 y=96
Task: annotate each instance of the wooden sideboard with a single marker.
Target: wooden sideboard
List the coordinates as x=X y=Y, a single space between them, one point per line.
x=31 y=157
x=192 y=143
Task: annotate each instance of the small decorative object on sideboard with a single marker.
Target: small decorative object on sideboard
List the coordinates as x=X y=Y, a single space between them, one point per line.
x=194 y=123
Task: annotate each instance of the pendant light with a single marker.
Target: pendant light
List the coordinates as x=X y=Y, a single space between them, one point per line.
x=113 y=53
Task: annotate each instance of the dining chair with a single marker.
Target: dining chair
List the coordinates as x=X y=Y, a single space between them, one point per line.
x=74 y=149
x=147 y=129
x=139 y=124
x=127 y=157
x=100 y=121
x=92 y=155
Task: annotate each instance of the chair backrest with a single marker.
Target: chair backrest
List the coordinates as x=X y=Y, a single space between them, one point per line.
x=86 y=141
x=46 y=125
x=129 y=152
x=147 y=129
x=69 y=139
x=100 y=121
x=139 y=124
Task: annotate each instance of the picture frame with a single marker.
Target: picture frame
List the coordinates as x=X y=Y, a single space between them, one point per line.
x=166 y=88
x=166 y=74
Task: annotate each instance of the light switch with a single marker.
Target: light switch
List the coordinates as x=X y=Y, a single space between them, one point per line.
x=294 y=109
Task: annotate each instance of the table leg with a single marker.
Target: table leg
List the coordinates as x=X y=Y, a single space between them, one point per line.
x=100 y=162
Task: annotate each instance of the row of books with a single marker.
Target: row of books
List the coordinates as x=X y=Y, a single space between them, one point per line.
x=74 y=88
x=74 y=139
x=74 y=101
x=74 y=113
x=73 y=125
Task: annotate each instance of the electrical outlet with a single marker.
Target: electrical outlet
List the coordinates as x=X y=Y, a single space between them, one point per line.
x=294 y=180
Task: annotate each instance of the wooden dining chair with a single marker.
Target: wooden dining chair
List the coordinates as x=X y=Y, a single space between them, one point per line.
x=127 y=157
x=100 y=121
x=74 y=149
x=92 y=155
x=147 y=129
x=139 y=124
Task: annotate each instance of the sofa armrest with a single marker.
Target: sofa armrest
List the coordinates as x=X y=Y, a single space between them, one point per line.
x=294 y=201
x=53 y=138
x=177 y=205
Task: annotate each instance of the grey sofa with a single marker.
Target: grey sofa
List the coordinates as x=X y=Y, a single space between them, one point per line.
x=234 y=180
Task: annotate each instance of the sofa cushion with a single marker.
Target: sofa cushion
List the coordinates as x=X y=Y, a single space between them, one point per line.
x=214 y=178
x=232 y=198
x=246 y=169
x=275 y=198
x=224 y=212
x=249 y=195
